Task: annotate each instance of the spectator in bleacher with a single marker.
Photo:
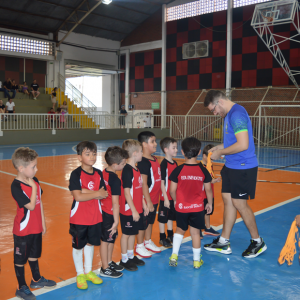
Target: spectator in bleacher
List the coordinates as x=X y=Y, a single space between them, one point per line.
x=10 y=106
x=64 y=107
x=2 y=109
x=35 y=89
x=53 y=97
x=24 y=87
x=50 y=118
x=123 y=114
x=7 y=86
x=15 y=86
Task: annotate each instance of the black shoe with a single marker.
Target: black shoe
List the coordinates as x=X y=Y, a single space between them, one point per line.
x=218 y=247
x=115 y=266
x=170 y=239
x=137 y=261
x=108 y=272
x=166 y=243
x=255 y=249
x=129 y=265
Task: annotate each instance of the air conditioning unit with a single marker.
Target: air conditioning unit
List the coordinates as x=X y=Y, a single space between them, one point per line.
x=195 y=49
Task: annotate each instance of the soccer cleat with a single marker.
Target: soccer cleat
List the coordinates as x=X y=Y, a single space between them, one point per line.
x=211 y=231
x=166 y=243
x=255 y=249
x=108 y=272
x=91 y=276
x=42 y=283
x=129 y=265
x=198 y=264
x=150 y=246
x=142 y=251
x=137 y=261
x=25 y=293
x=115 y=266
x=173 y=260
x=218 y=247
x=81 y=282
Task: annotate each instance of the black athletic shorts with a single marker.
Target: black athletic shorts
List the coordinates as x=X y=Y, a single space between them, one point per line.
x=130 y=227
x=108 y=221
x=85 y=234
x=27 y=246
x=241 y=184
x=194 y=219
x=212 y=210
x=165 y=214
x=150 y=218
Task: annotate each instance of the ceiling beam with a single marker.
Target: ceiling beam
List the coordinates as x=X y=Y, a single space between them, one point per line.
x=130 y=9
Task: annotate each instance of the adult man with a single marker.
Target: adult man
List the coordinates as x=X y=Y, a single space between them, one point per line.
x=35 y=89
x=239 y=173
x=7 y=87
x=123 y=114
x=10 y=106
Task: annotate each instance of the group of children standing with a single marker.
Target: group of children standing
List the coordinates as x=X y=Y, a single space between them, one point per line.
x=183 y=193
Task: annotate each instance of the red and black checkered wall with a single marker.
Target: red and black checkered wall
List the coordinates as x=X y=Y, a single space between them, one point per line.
x=252 y=63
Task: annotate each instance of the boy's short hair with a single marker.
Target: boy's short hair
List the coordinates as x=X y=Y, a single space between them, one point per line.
x=191 y=147
x=212 y=96
x=115 y=155
x=131 y=146
x=207 y=148
x=86 y=145
x=144 y=136
x=23 y=156
x=166 y=142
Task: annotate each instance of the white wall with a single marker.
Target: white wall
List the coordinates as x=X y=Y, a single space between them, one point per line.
x=107 y=96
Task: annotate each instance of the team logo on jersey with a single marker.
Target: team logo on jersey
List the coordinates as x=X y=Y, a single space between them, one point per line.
x=106 y=183
x=91 y=185
x=158 y=171
x=128 y=224
x=18 y=251
x=140 y=182
x=180 y=205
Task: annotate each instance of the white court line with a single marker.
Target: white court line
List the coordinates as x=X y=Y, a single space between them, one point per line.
x=185 y=240
x=54 y=185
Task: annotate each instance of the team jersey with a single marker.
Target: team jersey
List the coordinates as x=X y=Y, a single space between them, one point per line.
x=86 y=212
x=131 y=178
x=190 y=181
x=113 y=187
x=212 y=176
x=237 y=120
x=151 y=168
x=167 y=168
x=26 y=221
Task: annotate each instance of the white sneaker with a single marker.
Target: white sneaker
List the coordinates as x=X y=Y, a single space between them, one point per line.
x=152 y=247
x=142 y=251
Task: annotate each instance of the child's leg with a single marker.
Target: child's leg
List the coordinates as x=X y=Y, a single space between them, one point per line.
x=170 y=229
x=131 y=241
x=207 y=221
x=34 y=266
x=88 y=258
x=20 y=273
x=140 y=237
x=78 y=261
x=178 y=237
x=124 y=247
x=162 y=234
x=148 y=232
x=196 y=241
x=110 y=251
x=104 y=254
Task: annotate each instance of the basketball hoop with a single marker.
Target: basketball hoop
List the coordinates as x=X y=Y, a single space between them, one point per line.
x=267 y=19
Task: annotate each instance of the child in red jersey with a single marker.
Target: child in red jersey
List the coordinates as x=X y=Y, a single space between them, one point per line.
x=208 y=229
x=87 y=187
x=166 y=211
x=150 y=170
x=115 y=157
x=29 y=224
x=187 y=184
x=131 y=205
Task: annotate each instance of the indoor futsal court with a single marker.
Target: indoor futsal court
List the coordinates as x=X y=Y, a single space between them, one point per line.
x=227 y=276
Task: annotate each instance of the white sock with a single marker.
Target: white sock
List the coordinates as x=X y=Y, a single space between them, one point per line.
x=196 y=253
x=124 y=258
x=177 y=239
x=223 y=240
x=147 y=242
x=78 y=261
x=258 y=240
x=140 y=245
x=130 y=254
x=88 y=258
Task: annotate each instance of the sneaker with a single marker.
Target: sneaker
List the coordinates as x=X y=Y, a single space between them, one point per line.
x=137 y=261
x=43 y=282
x=170 y=239
x=129 y=265
x=201 y=235
x=115 y=266
x=255 y=249
x=150 y=246
x=91 y=276
x=81 y=282
x=173 y=260
x=108 y=272
x=166 y=243
x=142 y=251
x=211 y=231
x=25 y=293
x=218 y=247
x=198 y=264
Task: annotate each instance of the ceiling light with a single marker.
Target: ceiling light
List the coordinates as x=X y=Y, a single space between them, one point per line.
x=106 y=1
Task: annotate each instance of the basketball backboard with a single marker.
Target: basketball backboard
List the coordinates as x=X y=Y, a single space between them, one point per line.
x=274 y=13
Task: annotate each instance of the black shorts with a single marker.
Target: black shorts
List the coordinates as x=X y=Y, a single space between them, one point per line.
x=85 y=234
x=212 y=210
x=241 y=184
x=27 y=246
x=194 y=219
x=130 y=227
x=165 y=214
x=108 y=221
x=150 y=218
